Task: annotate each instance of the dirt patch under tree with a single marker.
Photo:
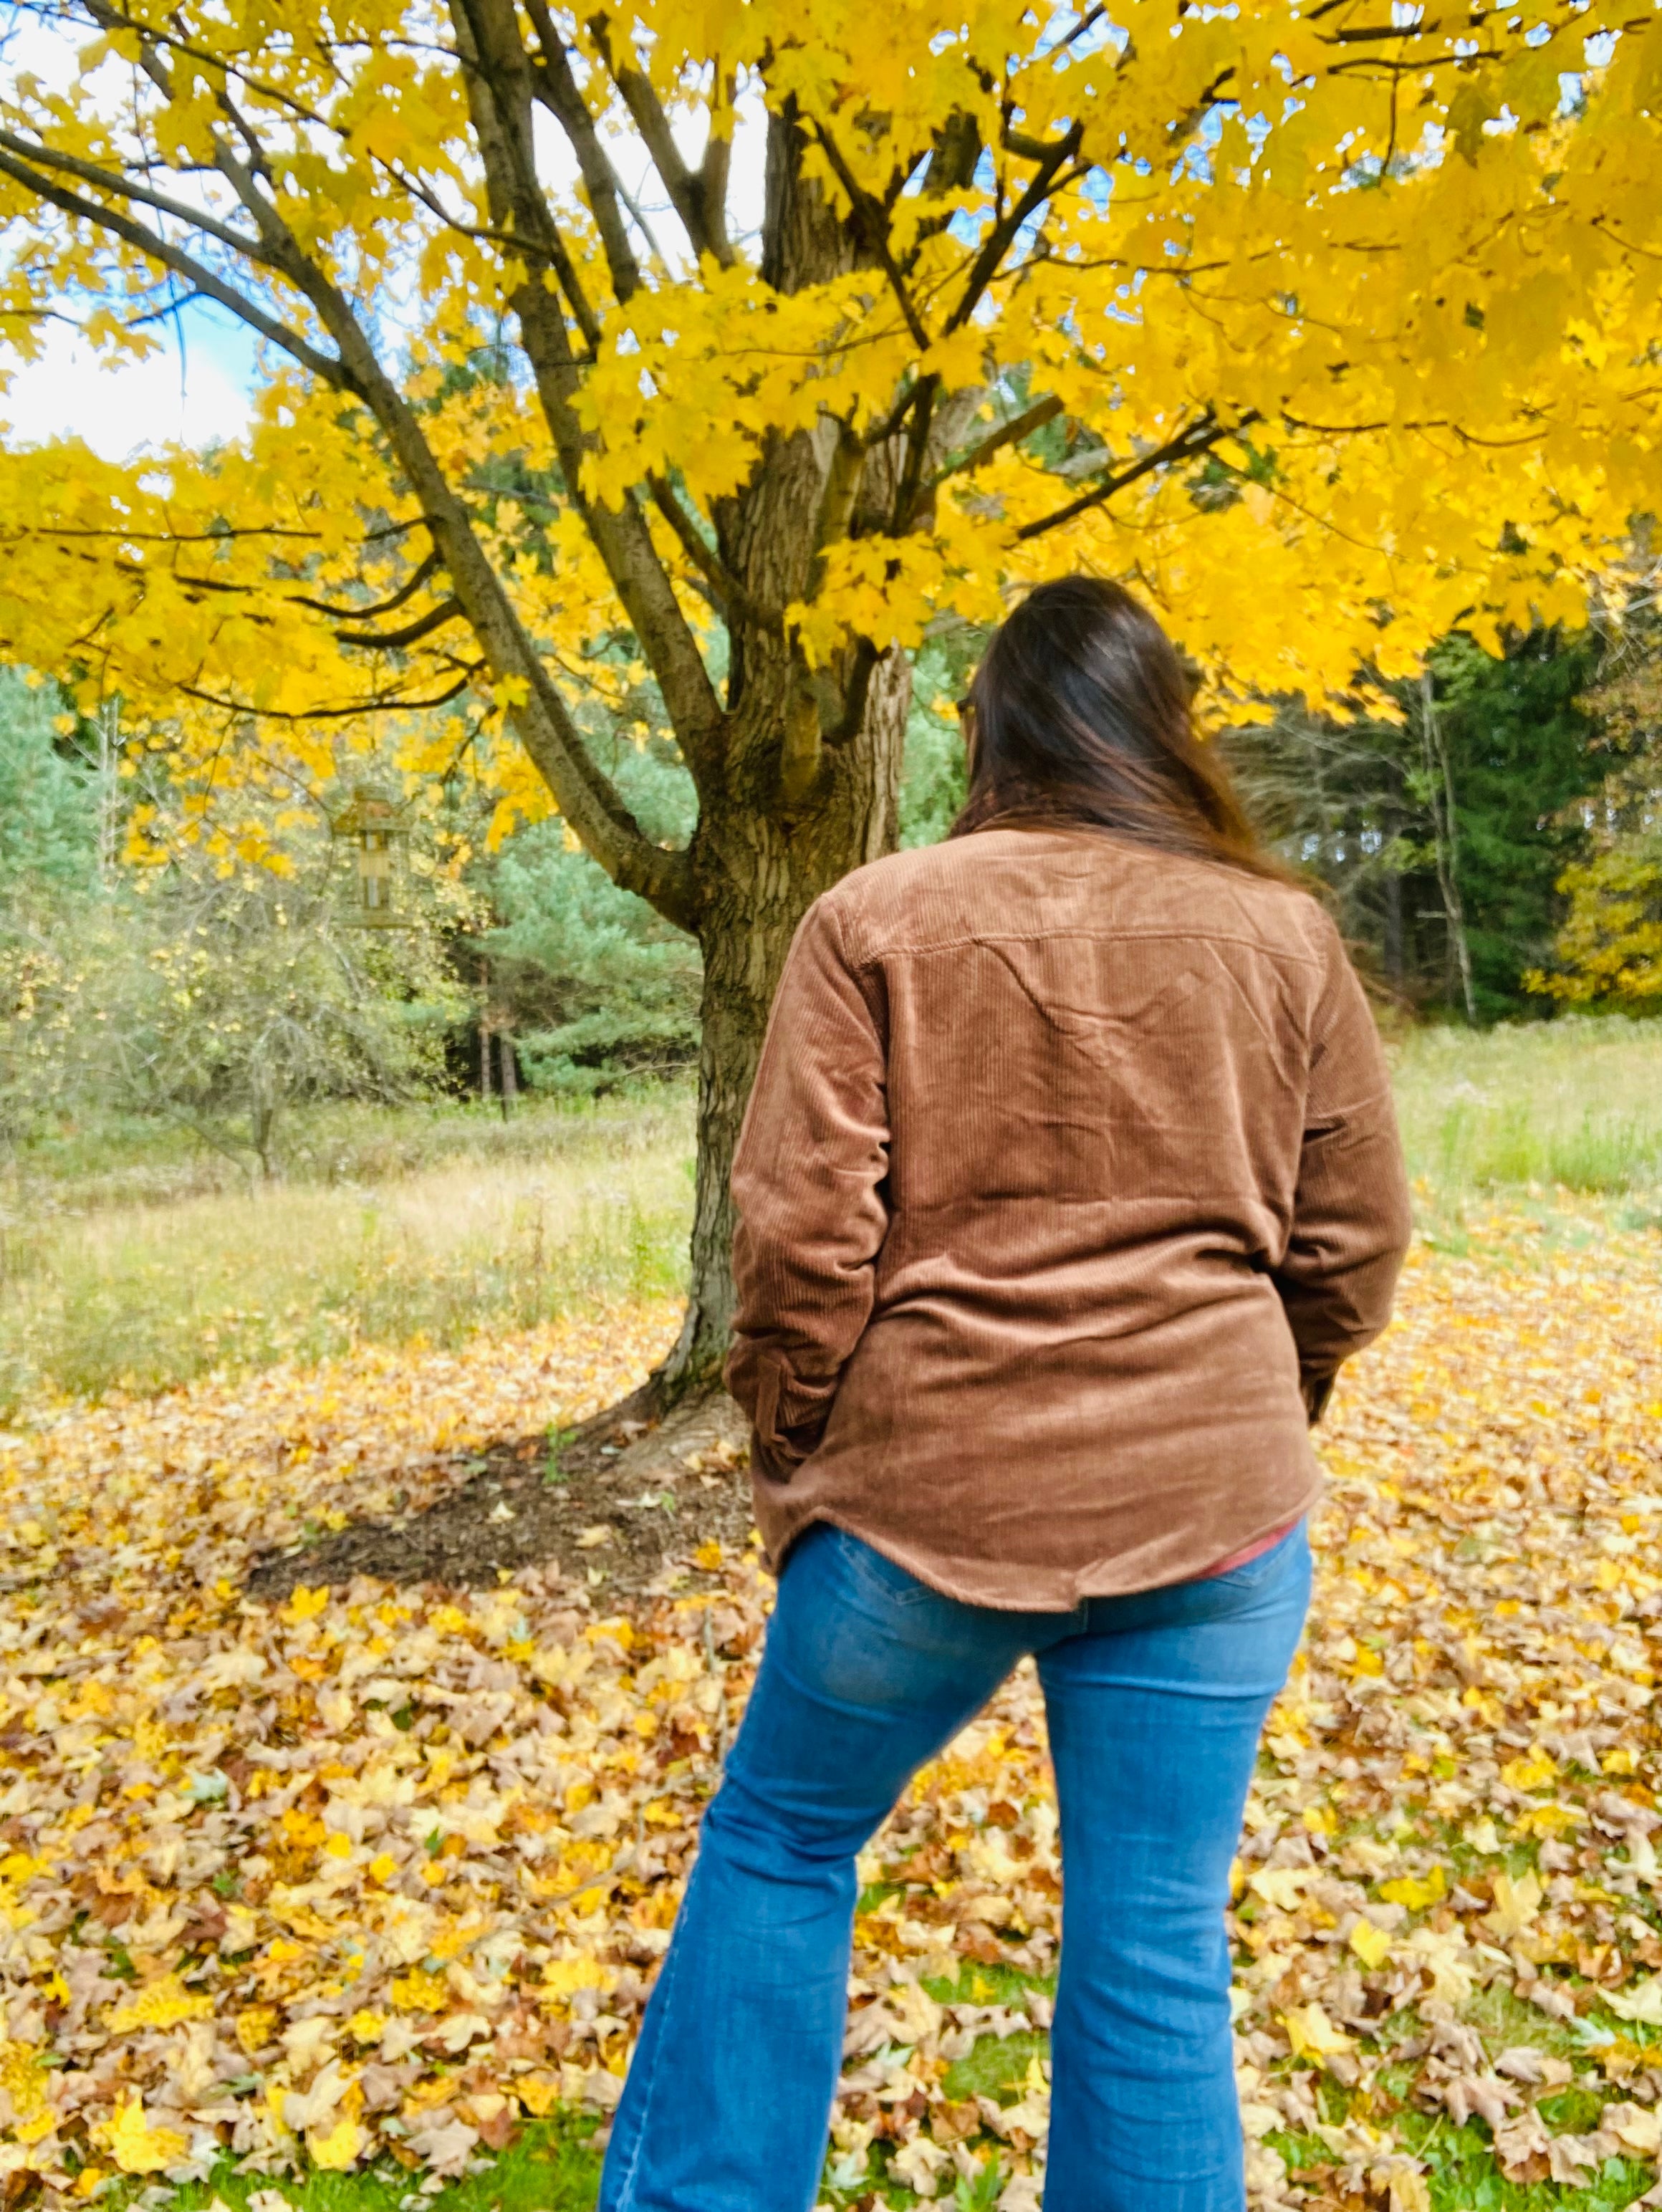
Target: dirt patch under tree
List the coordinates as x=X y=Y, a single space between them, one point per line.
x=622 y=1507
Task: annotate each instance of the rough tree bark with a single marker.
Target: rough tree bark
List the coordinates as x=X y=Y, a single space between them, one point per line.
x=757 y=873
x=809 y=784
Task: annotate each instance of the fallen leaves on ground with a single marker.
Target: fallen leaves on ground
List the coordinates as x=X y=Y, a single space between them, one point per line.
x=375 y=1873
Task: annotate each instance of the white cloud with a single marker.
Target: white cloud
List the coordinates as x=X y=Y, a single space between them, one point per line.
x=119 y=408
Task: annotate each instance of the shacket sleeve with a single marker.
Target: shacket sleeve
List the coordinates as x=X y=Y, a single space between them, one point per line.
x=1351 y=1218
x=808 y=1195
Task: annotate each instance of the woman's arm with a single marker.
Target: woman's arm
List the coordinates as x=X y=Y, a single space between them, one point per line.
x=807 y=1186
x=1351 y=1218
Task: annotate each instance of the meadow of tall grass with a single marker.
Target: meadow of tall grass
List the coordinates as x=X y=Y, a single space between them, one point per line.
x=129 y=1261
x=141 y=1272
x=1572 y=1105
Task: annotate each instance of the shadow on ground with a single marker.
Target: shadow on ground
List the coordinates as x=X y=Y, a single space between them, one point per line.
x=621 y=1509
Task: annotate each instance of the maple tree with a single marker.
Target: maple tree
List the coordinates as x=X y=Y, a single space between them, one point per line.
x=1330 y=324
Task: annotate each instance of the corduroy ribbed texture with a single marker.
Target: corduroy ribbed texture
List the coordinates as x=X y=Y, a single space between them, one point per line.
x=1069 y=1177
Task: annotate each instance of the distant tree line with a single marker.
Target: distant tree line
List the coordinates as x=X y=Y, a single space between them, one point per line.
x=158 y=960
x=1490 y=837
x=1439 y=829
x=171 y=952
x=1493 y=844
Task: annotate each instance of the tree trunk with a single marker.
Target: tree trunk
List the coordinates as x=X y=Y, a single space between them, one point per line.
x=263 y=1122
x=1393 y=929
x=810 y=784
x=1445 y=824
x=805 y=783
x=759 y=874
x=1396 y=944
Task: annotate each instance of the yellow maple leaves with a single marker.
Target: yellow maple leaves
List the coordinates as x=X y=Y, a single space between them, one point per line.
x=1413 y=279
x=162 y=2003
x=1312 y=2034
x=139 y=2146
x=23 y=2078
x=1415 y=1892
x=418 y=1991
x=1371 y=1945
x=339 y=2147
x=1533 y=1771
x=1517 y=1902
x=1497 y=1440
x=255 y=2027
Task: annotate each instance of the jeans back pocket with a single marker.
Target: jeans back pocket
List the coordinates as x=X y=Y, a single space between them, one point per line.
x=882 y=1574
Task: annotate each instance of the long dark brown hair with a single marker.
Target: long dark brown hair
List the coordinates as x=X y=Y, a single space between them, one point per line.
x=1079 y=713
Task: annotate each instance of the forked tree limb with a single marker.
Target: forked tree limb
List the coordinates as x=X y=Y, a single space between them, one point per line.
x=698 y=196
x=499 y=82
x=558 y=89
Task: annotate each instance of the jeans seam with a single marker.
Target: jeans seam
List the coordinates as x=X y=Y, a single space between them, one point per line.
x=665 y=1990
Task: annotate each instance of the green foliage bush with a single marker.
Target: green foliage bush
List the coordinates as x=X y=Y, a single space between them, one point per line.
x=48 y=799
x=595 y=986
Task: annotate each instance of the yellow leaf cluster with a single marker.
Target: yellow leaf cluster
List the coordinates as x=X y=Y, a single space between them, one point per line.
x=138 y=2146
x=164 y=2004
x=1404 y=285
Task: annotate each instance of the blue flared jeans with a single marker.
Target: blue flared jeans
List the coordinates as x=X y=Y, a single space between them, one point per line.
x=1154 y=1702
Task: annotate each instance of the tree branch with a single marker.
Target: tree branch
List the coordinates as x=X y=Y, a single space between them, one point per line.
x=717 y=163
x=189 y=537
x=1007 y=434
x=540 y=718
x=880 y=432
x=402 y=597
x=728 y=592
x=873 y=224
x=501 y=102
x=1195 y=437
x=216 y=62
x=999 y=239
x=557 y=90
x=918 y=446
x=393 y=640
x=552 y=253
x=167 y=256
x=122 y=187
x=703 y=215
x=380 y=704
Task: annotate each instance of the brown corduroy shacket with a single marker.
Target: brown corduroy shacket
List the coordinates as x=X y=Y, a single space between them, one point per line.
x=1069 y=1178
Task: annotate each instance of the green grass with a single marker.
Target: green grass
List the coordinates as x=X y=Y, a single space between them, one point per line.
x=996 y=2063
x=552 y=2169
x=450 y=1222
x=80 y=1165
x=1462 y=2175
x=1535 y=1108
